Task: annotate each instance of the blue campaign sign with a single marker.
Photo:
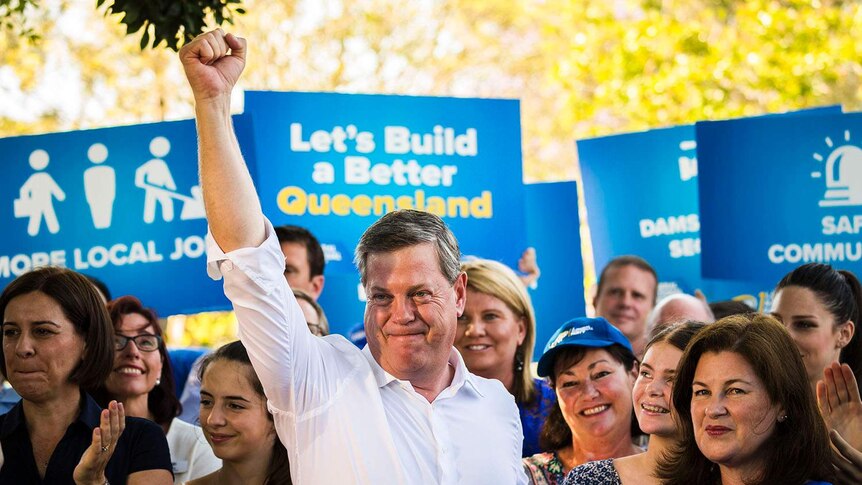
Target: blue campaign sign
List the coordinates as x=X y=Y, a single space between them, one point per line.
x=335 y=163
x=641 y=193
x=554 y=231
x=120 y=204
x=641 y=198
x=776 y=193
x=343 y=301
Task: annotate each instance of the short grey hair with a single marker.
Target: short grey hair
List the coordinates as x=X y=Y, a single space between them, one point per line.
x=403 y=228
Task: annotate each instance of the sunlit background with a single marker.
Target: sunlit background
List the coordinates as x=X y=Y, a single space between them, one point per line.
x=580 y=68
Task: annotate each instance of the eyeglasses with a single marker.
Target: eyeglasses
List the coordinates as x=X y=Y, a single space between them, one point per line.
x=144 y=343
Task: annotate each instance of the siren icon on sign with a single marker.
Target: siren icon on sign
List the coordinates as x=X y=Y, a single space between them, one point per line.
x=843 y=169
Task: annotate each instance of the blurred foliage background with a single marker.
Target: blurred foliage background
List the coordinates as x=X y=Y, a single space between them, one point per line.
x=580 y=68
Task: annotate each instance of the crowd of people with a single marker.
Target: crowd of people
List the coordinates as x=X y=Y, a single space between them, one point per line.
x=439 y=386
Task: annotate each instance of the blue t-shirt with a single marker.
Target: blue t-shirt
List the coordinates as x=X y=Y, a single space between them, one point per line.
x=533 y=416
x=141 y=447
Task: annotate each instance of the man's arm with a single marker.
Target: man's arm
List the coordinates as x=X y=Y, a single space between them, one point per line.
x=213 y=63
x=298 y=371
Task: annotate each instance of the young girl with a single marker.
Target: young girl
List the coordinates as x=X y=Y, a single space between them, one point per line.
x=237 y=424
x=651 y=397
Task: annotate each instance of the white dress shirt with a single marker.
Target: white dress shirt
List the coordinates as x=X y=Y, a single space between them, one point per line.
x=342 y=418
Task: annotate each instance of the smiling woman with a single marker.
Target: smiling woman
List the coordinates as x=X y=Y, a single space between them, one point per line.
x=652 y=403
x=56 y=346
x=496 y=335
x=744 y=406
x=237 y=424
x=141 y=378
x=592 y=369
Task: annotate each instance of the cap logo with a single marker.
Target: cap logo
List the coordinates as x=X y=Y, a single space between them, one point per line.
x=570 y=333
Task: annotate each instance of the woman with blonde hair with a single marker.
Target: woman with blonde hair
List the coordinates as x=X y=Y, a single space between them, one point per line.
x=496 y=336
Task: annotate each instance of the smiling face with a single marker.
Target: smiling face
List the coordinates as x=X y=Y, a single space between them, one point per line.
x=135 y=371
x=489 y=334
x=41 y=347
x=812 y=328
x=412 y=311
x=233 y=415
x=652 y=390
x=732 y=413
x=626 y=298
x=595 y=395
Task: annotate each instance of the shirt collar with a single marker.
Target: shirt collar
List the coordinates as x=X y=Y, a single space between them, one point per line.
x=14 y=418
x=89 y=416
x=91 y=413
x=462 y=375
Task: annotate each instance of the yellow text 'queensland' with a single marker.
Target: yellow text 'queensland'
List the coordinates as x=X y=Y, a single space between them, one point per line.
x=295 y=201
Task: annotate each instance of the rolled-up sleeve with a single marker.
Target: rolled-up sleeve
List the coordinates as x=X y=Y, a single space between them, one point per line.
x=299 y=371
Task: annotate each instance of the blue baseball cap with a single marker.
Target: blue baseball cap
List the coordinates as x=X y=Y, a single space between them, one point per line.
x=580 y=332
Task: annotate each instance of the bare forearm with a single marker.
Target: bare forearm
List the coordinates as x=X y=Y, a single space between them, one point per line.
x=232 y=206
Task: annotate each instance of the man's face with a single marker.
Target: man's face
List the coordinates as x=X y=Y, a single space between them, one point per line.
x=626 y=298
x=412 y=312
x=296 y=269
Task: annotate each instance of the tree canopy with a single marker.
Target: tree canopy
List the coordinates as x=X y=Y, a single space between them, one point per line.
x=580 y=69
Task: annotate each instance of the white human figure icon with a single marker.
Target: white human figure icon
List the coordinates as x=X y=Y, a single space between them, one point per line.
x=36 y=197
x=100 y=186
x=156 y=180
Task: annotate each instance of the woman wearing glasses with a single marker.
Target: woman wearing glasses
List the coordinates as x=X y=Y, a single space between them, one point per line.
x=141 y=378
x=56 y=348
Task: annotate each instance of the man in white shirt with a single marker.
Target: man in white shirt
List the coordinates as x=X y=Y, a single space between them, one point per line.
x=402 y=410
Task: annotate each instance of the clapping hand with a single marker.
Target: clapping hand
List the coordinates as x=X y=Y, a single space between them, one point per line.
x=91 y=468
x=840 y=404
x=846 y=460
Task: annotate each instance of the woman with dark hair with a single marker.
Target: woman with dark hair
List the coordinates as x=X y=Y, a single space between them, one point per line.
x=496 y=336
x=237 y=424
x=820 y=307
x=654 y=411
x=141 y=378
x=745 y=414
x=592 y=369
x=56 y=347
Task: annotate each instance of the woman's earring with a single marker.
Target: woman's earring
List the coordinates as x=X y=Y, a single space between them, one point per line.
x=519 y=362
x=158 y=381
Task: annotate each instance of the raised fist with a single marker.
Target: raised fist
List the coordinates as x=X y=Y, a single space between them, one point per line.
x=213 y=62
